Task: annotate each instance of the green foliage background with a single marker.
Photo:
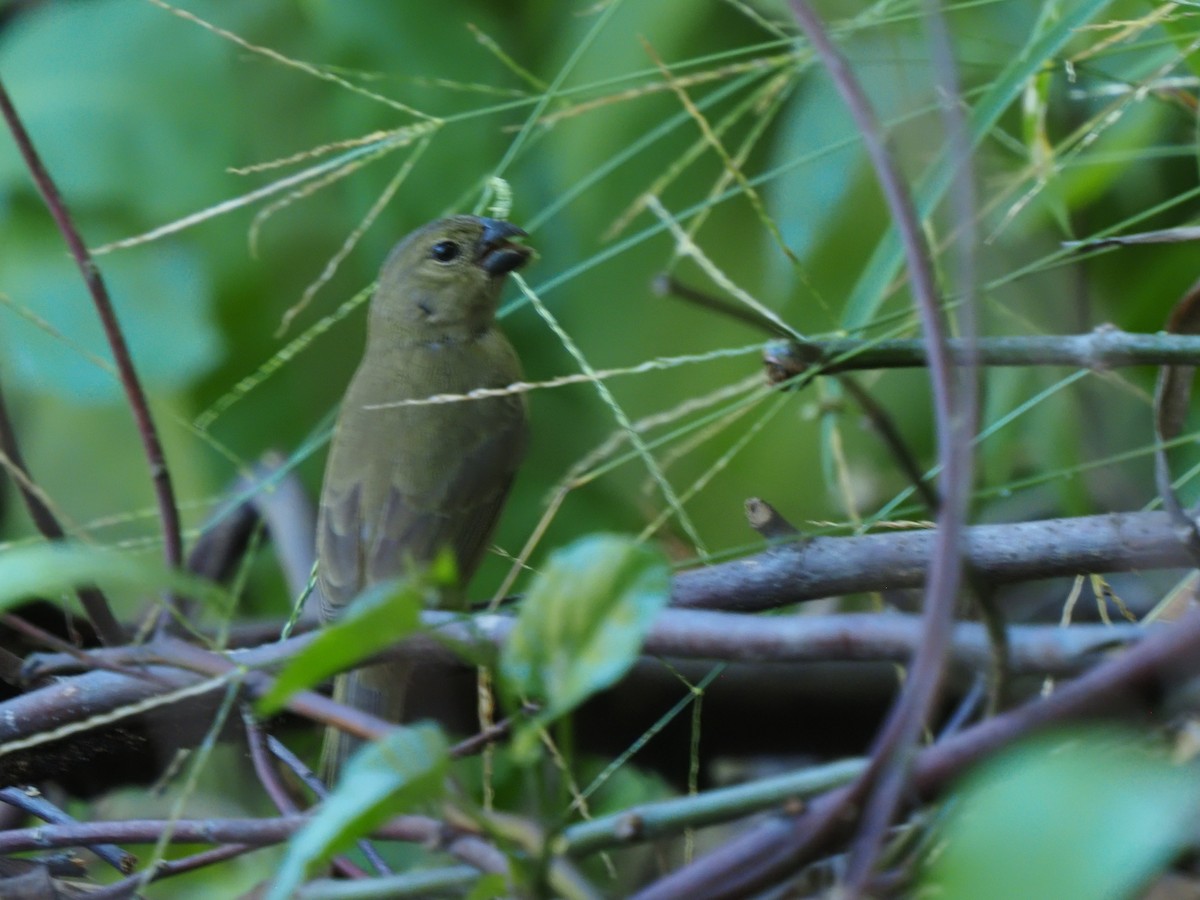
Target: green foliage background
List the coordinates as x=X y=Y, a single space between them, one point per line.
x=141 y=114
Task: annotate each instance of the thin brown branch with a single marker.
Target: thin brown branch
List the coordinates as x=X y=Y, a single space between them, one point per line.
x=428 y=832
x=39 y=636
x=694 y=634
x=310 y=704
x=890 y=435
x=342 y=866
x=94 y=603
x=126 y=887
x=955 y=414
x=32 y=802
x=260 y=758
x=667 y=285
x=152 y=447
x=490 y=735
x=251 y=832
x=262 y=748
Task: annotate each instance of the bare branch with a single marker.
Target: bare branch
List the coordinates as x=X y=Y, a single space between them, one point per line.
x=1107 y=347
x=1001 y=554
x=159 y=473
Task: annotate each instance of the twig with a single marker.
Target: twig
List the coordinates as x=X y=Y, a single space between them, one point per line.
x=421 y=883
x=682 y=633
x=94 y=603
x=32 y=802
x=54 y=642
x=256 y=741
x=786 y=359
x=310 y=704
x=767 y=520
x=119 y=890
x=281 y=752
x=663 y=818
x=890 y=435
x=497 y=731
x=678 y=633
x=152 y=447
x=666 y=285
x=261 y=748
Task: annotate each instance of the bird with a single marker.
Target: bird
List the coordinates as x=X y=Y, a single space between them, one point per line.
x=405 y=482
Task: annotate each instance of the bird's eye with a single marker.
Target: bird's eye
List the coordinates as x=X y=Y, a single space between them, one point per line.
x=444 y=251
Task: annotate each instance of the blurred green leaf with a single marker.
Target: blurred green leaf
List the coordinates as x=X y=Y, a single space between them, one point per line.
x=384 y=778
x=85 y=102
x=166 y=292
x=583 y=623
x=1087 y=815
x=871 y=287
x=46 y=570
x=383 y=615
x=489 y=887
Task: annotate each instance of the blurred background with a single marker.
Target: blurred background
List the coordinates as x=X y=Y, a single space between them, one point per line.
x=228 y=161
x=149 y=117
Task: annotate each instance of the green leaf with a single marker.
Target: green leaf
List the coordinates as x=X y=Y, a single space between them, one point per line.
x=583 y=623
x=384 y=778
x=1091 y=814
x=143 y=122
x=47 y=570
x=163 y=293
x=380 y=617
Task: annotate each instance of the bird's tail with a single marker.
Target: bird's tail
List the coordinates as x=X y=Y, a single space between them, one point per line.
x=378 y=690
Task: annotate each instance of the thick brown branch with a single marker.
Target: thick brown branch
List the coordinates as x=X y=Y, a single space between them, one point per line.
x=1024 y=551
x=684 y=634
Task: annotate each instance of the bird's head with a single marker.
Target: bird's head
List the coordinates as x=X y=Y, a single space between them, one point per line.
x=443 y=281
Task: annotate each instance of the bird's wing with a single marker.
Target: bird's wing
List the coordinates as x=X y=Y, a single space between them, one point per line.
x=414 y=525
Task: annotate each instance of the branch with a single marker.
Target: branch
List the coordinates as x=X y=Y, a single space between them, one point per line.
x=664 y=818
x=782 y=575
x=683 y=634
x=1107 y=347
x=127 y=887
x=94 y=603
x=251 y=832
x=271 y=495
x=1024 y=551
x=152 y=447
x=765 y=853
x=32 y=802
x=955 y=411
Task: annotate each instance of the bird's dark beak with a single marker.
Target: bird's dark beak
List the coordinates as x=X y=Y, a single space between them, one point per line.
x=494 y=253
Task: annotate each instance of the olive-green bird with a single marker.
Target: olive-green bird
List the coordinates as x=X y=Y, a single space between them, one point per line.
x=404 y=482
